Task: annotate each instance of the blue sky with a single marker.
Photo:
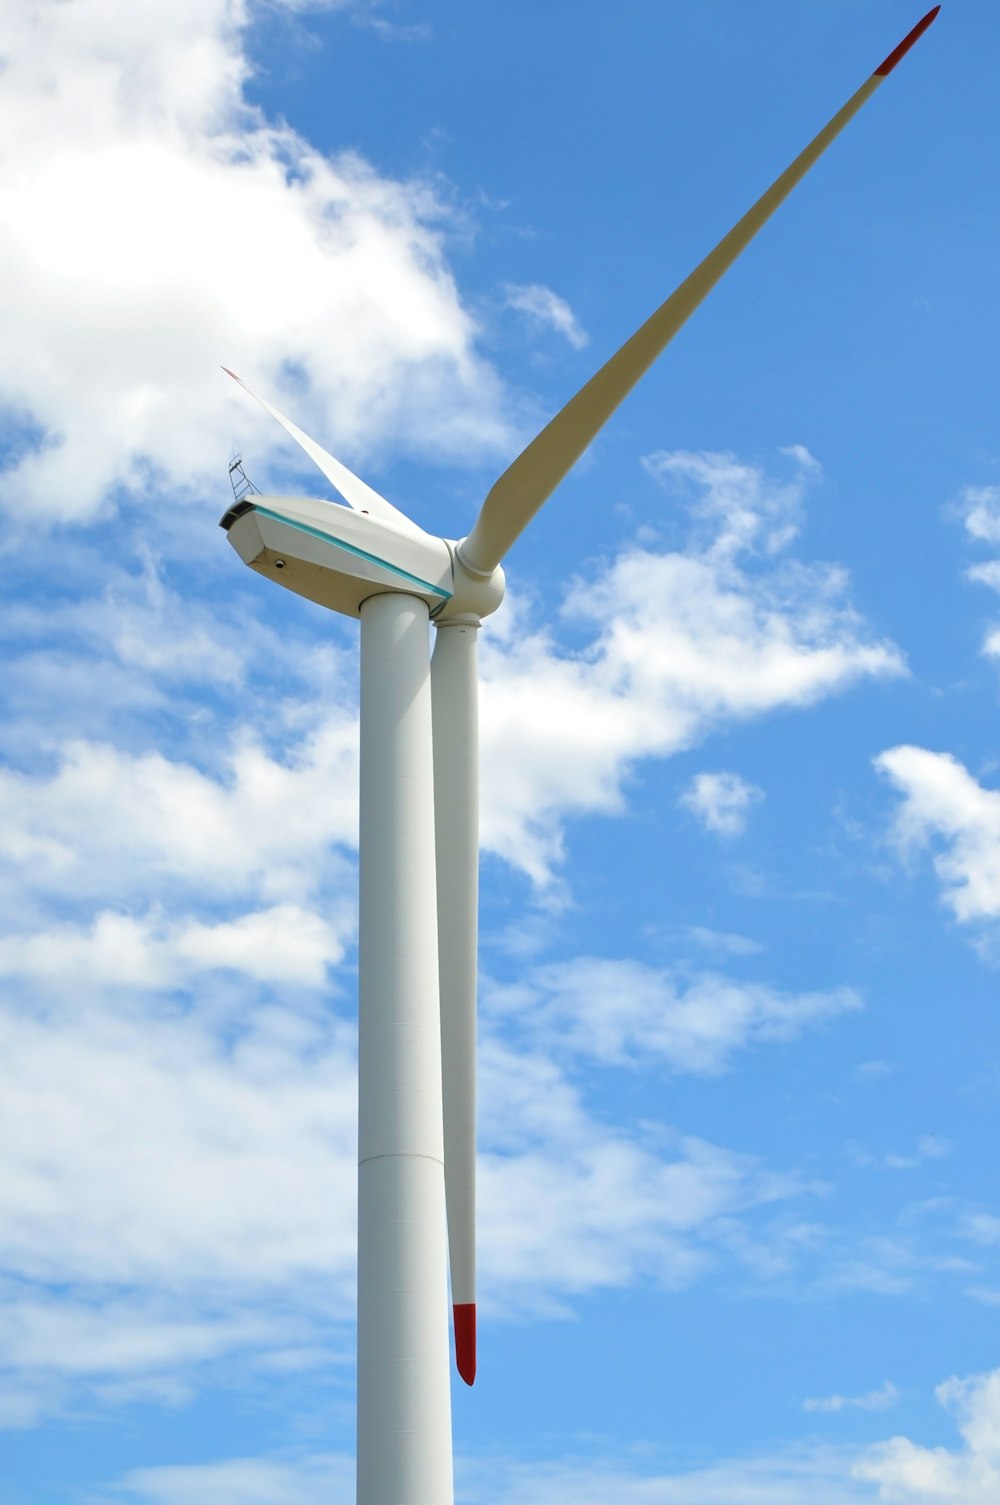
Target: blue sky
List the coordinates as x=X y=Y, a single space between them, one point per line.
x=740 y=1064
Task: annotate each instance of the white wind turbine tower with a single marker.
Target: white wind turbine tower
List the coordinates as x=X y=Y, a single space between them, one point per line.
x=419 y=866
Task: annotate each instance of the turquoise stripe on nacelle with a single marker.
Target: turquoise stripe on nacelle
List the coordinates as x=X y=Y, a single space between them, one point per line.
x=349 y=548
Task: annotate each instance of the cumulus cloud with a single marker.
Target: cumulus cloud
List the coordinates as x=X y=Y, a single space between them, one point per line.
x=223 y=1152
x=284 y=944
x=623 y=1012
x=155 y=225
x=910 y=1474
x=542 y=307
x=108 y=821
x=979 y=507
x=721 y=801
x=944 y=807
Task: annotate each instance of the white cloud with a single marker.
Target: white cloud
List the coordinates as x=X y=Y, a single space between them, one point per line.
x=545 y=308
x=740 y=507
x=684 y=642
x=178 y=1185
x=928 y=1147
x=984 y=1228
x=897 y=1472
x=819 y=1476
x=870 y=1071
x=284 y=944
x=986 y=574
x=224 y=1154
x=120 y=1337
x=319 y=1479
x=980 y=510
x=979 y=507
x=873 y=1400
x=571 y=1205
x=107 y=821
x=721 y=801
x=155 y=225
x=909 y=1474
x=944 y=805
x=724 y=942
x=621 y=1012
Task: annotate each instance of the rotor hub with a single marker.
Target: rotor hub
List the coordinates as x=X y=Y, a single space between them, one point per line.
x=475 y=593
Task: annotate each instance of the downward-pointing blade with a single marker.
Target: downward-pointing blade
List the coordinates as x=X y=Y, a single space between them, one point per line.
x=355 y=492
x=534 y=475
x=456 y=814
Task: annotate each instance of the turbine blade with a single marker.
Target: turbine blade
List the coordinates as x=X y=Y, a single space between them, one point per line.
x=534 y=475
x=355 y=492
x=454 y=692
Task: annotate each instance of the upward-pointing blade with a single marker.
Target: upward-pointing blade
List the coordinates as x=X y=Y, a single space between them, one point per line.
x=456 y=833
x=534 y=475
x=355 y=492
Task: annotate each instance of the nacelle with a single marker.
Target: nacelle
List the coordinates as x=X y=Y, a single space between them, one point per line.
x=336 y=557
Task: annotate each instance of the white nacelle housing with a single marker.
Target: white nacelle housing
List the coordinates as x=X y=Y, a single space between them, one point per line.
x=339 y=558
x=336 y=557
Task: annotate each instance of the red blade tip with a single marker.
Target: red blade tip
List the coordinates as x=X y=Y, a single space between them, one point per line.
x=906 y=44
x=465 y=1340
x=230 y=373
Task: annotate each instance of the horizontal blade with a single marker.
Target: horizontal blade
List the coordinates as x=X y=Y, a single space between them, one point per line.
x=454 y=694
x=355 y=492
x=534 y=475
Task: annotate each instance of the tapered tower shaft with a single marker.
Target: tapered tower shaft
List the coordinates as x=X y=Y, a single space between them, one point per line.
x=404 y=1401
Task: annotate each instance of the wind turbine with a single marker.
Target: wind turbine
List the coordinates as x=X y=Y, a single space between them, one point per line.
x=419 y=864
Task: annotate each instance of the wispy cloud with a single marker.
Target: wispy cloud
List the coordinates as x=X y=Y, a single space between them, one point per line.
x=545 y=309
x=873 y=1400
x=820 y=1475
x=929 y=1147
x=899 y=1470
x=724 y=942
x=624 y=1012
